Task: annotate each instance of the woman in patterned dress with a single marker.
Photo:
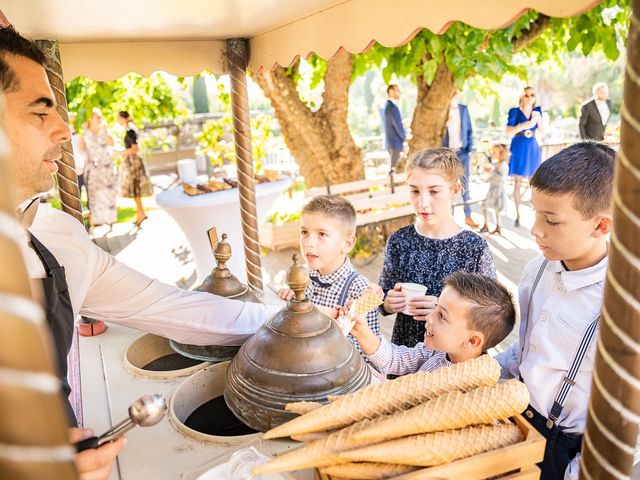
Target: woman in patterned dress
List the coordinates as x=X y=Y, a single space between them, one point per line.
x=134 y=180
x=102 y=179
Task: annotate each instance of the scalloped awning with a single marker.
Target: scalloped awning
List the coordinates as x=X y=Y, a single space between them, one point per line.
x=105 y=39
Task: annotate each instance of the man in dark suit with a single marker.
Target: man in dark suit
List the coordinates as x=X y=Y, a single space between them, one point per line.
x=394 y=134
x=595 y=113
x=459 y=137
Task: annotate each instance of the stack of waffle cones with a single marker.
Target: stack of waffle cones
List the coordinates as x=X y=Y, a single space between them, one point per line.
x=419 y=420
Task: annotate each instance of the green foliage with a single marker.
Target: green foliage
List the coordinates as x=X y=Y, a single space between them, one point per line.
x=470 y=51
x=278 y=218
x=154 y=99
x=216 y=138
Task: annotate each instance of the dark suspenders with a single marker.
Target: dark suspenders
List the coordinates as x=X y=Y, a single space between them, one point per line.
x=345 y=290
x=569 y=380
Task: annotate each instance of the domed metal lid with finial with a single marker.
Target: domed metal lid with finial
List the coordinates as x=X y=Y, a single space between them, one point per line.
x=220 y=282
x=299 y=354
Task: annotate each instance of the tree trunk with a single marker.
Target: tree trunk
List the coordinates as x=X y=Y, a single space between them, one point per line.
x=320 y=141
x=432 y=110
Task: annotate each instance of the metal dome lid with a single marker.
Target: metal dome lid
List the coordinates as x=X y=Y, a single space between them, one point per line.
x=299 y=354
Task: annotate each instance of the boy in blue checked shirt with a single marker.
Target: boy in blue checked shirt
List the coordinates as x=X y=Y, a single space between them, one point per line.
x=327 y=234
x=473 y=313
x=561 y=294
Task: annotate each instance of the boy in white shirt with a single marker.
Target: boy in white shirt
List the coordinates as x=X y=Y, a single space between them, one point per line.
x=561 y=294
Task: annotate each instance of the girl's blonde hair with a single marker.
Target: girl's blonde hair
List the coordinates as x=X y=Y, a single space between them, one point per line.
x=443 y=159
x=504 y=151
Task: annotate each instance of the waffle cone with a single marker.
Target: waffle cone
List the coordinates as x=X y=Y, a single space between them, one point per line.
x=372 y=471
x=390 y=397
x=309 y=437
x=370 y=299
x=451 y=411
x=321 y=453
x=302 y=407
x=430 y=449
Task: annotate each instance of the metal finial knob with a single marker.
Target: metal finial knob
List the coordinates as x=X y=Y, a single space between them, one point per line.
x=298 y=277
x=222 y=252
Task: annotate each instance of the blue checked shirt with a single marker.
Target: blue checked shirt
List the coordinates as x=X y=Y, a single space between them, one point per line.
x=395 y=359
x=326 y=290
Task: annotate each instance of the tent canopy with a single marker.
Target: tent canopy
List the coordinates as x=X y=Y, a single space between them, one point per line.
x=104 y=39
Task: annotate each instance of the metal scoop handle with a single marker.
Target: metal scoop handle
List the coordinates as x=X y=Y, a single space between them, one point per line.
x=109 y=436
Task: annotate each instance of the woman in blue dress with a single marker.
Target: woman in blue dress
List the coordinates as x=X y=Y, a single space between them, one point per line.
x=525 y=151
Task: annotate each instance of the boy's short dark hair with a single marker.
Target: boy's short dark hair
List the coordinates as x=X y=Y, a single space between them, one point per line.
x=583 y=170
x=494 y=313
x=12 y=43
x=335 y=207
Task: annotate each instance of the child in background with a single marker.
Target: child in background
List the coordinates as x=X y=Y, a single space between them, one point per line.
x=474 y=313
x=431 y=249
x=496 y=196
x=327 y=234
x=561 y=295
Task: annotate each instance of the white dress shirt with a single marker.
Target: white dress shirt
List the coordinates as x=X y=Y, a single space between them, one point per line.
x=563 y=306
x=454 y=126
x=603 y=108
x=102 y=288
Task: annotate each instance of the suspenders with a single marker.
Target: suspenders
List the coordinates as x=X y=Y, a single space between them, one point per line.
x=345 y=290
x=578 y=357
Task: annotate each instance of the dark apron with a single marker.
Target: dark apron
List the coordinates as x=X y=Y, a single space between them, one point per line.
x=59 y=316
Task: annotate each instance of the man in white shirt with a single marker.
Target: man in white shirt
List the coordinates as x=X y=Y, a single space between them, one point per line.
x=561 y=294
x=595 y=113
x=459 y=137
x=77 y=276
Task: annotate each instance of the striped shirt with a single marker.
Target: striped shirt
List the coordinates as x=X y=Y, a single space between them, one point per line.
x=326 y=290
x=395 y=359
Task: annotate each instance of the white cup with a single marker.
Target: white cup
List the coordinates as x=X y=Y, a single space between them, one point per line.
x=412 y=290
x=187 y=170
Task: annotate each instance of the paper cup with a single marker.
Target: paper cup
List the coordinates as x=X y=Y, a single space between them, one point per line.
x=412 y=290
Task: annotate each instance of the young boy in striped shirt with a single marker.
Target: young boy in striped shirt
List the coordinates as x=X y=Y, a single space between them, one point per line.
x=474 y=313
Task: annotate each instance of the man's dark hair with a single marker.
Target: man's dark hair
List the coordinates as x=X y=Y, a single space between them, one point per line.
x=390 y=87
x=12 y=43
x=585 y=171
x=124 y=114
x=493 y=313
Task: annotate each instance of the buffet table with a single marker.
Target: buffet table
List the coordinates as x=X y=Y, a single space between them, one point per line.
x=195 y=215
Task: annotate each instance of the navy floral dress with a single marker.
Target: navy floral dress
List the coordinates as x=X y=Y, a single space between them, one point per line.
x=412 y=257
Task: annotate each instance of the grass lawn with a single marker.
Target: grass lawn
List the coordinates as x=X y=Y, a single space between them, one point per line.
x=126 y=207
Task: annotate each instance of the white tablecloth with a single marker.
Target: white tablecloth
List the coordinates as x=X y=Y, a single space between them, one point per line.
x=196 y=215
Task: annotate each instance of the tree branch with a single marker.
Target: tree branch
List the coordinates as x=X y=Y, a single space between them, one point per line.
x=527 y=37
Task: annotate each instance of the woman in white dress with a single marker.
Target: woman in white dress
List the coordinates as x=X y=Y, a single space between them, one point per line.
x=102 y=182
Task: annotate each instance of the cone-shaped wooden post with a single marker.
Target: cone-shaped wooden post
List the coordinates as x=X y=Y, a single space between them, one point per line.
x=614 y=408
x=33 y=440
x=237 y=58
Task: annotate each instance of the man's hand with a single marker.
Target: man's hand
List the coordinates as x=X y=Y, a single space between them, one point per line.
x=396 y=300
x=421 y=307
x=285 y=294
x=95 y=463
x=368 y=341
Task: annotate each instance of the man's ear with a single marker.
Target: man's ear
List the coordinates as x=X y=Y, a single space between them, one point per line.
x=604 y=226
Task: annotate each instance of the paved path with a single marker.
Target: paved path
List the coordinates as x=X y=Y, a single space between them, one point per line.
x=160 y=250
